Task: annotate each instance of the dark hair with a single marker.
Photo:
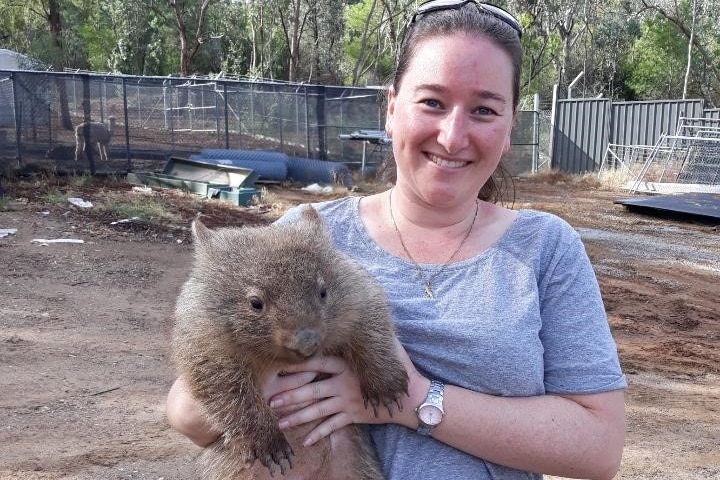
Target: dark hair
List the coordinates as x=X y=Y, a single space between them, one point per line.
x=471 y=20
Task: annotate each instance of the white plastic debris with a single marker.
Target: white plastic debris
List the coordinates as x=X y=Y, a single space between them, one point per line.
x=4 y=232
x=125 y=220
x=315 y=188
x=79 y=202
x=45 y=241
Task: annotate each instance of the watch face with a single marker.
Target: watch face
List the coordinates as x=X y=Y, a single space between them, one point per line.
x=430 y=415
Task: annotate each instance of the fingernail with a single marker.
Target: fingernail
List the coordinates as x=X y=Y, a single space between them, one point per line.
x=308 y=441
x=284 y=424
x=275 y=403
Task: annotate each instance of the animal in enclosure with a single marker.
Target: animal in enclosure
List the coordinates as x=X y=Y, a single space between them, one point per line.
x=257 y=299
x=98 y=135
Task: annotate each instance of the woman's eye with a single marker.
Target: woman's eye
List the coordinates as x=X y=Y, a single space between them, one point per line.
x=256 y=303
x=483 y=111
x=431 y=103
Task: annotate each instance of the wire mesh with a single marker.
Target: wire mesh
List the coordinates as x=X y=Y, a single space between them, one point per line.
x=689 y=157
x=159 y=117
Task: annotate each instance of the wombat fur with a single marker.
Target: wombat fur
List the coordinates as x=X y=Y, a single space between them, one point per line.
x=259 y=296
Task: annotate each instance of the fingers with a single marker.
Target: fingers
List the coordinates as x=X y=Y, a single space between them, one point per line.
x=315 y=411
x=330 y=425
x=291 y=381
x=304 y=393
x=320 y=364
x=274 y=382
x=298 y=385
x=330 y=409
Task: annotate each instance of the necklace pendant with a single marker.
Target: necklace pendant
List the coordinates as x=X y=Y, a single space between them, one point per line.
x=428 y=292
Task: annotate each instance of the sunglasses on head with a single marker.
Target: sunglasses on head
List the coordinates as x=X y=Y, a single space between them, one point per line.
x=437 y=5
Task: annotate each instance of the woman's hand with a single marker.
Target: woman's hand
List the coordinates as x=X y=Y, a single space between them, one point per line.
x=292 y=392
x=185 y=414
x=337 y=400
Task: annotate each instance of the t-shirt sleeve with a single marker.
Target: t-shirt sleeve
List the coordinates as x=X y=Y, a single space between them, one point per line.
x=580 y=354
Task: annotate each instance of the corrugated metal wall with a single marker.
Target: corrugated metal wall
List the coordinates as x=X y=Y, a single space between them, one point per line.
x=642 y=123
x=585 y=127
x=581 y=134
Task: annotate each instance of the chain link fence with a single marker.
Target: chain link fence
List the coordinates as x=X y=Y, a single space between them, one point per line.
x=149 y=119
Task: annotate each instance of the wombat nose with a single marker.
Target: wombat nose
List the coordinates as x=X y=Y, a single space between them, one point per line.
x=306 y=342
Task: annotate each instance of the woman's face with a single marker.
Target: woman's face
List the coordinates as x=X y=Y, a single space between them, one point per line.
x=451 y=118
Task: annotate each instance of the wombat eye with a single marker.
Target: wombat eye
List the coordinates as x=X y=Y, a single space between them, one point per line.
x=321 y=288
x=256 y=303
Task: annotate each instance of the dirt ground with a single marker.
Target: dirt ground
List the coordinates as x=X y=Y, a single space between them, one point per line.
x=84 y=328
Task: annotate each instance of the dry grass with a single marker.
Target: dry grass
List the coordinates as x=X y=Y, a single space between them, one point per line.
x=591 y=180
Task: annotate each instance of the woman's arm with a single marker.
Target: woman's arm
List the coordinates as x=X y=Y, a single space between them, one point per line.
x=185 y=415
x=572 y=436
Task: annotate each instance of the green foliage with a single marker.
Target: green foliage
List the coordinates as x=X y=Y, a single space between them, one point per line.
x=146 y=207
x=232 y=49
x=624 y=49
x=54 y=197
x=655 y=66
x=367 y=55
x=84 y=180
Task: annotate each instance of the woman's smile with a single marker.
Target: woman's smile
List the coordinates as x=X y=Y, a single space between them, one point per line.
x=447 y=163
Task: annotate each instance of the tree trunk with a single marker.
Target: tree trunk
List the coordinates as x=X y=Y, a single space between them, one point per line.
x=689 y=54
x=188 y=49
x=54 y=19
x=363 y=44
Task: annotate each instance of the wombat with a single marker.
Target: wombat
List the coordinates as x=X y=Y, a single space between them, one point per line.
x=260 y=296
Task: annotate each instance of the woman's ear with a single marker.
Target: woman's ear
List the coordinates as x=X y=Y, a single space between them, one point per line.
x=506 y=147
x=390 y=111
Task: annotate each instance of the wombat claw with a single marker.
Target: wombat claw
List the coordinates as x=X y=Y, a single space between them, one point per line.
x=269 y=460
x=375 y=403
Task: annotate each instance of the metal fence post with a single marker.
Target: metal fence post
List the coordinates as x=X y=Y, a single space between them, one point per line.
x=127 y=126
x=226 y=113
x=321 y=121
x=18 y=119
x=536 y=132
x=307 y=124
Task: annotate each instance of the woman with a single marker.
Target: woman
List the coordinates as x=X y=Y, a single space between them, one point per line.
x=511 y=363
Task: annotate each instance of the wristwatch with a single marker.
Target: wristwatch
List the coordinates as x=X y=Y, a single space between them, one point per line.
x=430 y=412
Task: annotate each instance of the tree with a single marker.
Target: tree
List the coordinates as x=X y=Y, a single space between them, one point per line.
x=189 y=18
x=372 y=35
x=698 y=26
x=655 y=65
x=324 y=43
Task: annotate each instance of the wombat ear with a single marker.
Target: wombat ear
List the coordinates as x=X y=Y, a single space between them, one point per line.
x=311 y=215
x=201 y=234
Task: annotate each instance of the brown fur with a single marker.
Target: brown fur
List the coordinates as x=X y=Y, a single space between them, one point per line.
x=99 y=133
x=260 y=296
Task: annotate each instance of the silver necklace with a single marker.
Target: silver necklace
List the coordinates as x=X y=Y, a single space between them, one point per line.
x=427 y=281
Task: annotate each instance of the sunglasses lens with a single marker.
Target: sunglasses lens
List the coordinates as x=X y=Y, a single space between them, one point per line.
x=433 y=5
x=436 y=5
x=502 y=15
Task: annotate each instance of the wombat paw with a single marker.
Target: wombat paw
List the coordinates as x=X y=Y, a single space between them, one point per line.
x=387 y=392
x=279 y=452
x=375 y=402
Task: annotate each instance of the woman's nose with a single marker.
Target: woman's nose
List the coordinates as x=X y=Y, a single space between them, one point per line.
x=453 y=134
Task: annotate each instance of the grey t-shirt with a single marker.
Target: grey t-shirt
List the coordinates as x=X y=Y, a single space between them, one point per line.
x=522 y=318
